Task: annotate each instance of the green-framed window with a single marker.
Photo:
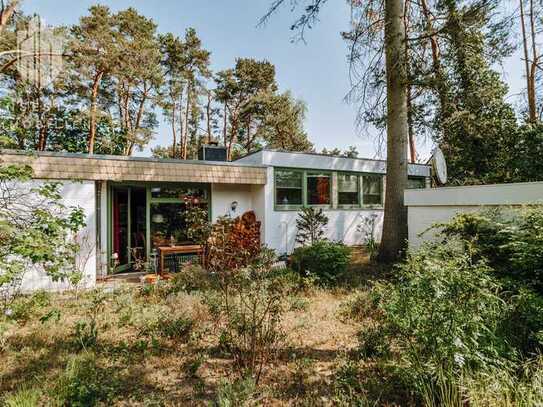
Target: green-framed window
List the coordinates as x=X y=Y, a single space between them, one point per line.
x=416 y=183
x=372 y=189
x=348 y=190
x=289 y=188
x=318 y=187
x=297 y=188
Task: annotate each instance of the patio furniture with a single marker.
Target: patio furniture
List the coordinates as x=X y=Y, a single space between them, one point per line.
x=172 y=258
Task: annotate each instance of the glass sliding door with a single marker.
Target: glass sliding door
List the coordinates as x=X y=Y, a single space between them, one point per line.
x=146 y=216
x=120 y=227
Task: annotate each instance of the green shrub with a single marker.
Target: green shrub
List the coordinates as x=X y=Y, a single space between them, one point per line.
x=510 y=241
x=23 y=398
x=192 y=277
x=248 y=308
x=443 y=315
x=360 y=305
x=175 y=328
x=83 y=383
x=325 y=260
x=235 y=394
x=311 y=223
x=23 y=308
x=372 y=342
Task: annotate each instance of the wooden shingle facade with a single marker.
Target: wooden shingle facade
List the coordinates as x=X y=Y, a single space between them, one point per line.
x=115 y=168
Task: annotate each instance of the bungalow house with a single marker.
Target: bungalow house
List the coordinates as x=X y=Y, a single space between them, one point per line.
x=135 y=205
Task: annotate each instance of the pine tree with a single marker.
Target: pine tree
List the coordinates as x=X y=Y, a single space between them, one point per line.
x=311 y=224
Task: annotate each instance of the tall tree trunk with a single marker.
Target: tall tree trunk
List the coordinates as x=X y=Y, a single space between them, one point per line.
x=530 y=84
x=184 y=149
x=411 y=133
x=174 y=132
x=395 y=217
x=93 y=107
x=6 y=13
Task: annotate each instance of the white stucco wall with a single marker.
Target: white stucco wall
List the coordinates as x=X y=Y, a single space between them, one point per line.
x=280 y=226
x=222 y=196
x=80 y=194
x=427 y=207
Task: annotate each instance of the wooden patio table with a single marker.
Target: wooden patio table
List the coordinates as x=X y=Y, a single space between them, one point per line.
x=187 y=249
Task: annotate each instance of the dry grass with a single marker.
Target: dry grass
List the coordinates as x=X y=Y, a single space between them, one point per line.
x=163 y=371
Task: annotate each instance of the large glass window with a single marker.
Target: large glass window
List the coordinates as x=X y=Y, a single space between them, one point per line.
x=182 y=193
x=318 y=188
x=348 y=190
x=288 y=188
x=416 y=183
x=372 y=189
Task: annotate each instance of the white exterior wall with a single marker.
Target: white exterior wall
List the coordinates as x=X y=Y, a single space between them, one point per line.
x=279 y=227
x=427 y=207
x=222 y=196
x=74 y=193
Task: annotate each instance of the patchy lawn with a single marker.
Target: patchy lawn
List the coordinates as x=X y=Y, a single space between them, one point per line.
x=149 y=349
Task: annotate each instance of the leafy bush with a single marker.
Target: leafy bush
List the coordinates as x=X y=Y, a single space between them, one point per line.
x=324 y=260
x=443 y=315
x=311 y=223
x=86 y=330
x=36 y=229
x=192 y=277
x=235 y=394
x=248 y=308
x=23 y=308
x=511 y=241
x=177 y=328
x=83 y=383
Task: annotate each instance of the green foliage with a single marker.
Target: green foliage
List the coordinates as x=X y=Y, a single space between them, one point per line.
x=444 y=311
x=25 y=307
x=324 y=260
x=235 y=394
x=84 y=383
x=311 y=224
x=248 y=308
x=25 y=397
x=510 y=241
x=175 y=328
x=199 y=227
x=86 y=331
x=36 y=228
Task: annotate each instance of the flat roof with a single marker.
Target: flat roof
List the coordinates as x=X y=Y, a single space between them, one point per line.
x=278 y=150
x=73 y=166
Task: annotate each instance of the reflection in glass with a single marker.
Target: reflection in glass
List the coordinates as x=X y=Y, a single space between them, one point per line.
x=348 y=190
x=372 y=189
x=288 y=187
x=318 y=189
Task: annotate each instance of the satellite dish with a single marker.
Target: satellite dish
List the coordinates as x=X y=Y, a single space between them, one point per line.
x=439 y=165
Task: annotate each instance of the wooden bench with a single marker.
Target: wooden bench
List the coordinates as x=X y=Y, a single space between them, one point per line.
x=164 y=251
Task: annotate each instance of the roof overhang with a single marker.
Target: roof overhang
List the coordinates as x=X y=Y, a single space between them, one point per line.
x=66 y=166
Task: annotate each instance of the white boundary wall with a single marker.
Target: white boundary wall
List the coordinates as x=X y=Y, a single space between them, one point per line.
x=74 y=193
x=437 y=205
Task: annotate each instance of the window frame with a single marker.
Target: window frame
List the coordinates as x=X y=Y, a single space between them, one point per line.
x=382 y=194
x=359 y=190
x=330 y=174
x=282 y=207
x=334 y=192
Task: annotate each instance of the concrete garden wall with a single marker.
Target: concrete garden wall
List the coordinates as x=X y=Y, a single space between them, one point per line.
x=74 y=193
x=437 y=205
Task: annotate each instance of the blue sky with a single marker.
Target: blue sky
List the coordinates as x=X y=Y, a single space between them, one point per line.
x=315 y=72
